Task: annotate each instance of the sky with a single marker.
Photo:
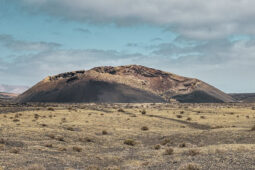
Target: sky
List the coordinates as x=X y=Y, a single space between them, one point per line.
x=210 y=40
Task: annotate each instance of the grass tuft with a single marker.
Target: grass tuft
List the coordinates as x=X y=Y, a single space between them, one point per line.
x=77 y=148
x=190 y=166
x=36 y=167
x=129 y=142
x=144 y=128
x=169 y=151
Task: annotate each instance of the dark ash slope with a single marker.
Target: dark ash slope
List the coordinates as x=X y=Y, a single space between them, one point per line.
x=123 y=84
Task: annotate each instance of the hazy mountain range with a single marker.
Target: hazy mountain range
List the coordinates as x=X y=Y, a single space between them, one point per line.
x=17 y=89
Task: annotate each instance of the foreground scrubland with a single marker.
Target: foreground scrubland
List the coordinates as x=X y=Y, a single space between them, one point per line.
x=127 y=136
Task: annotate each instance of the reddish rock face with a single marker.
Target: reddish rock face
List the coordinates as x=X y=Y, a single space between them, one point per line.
x=132 y=83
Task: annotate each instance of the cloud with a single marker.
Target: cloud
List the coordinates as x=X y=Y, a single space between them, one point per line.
x=226 y=65
x=87 y=31
x=16 y=45
x=157 y=39
x=31 y=68
x=198 y=19
x=132 y=44
x=220 y=51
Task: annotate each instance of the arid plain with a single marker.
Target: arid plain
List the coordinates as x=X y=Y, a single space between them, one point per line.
x=127 y=136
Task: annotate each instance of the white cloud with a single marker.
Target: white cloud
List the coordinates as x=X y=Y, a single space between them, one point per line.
x=29 y=69
x=16 y=45
x=202 y=19
x=83 y=30
x=231 y=73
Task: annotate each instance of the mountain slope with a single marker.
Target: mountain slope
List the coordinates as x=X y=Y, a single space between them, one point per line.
x=244 y=97
x=132 y=83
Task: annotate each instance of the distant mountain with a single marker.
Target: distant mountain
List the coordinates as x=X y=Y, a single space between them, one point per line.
x=7 y=95
x=13 y=89
x=123 y=84
x=244 y=97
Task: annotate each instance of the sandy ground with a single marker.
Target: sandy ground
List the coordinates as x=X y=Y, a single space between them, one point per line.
x=127 y=136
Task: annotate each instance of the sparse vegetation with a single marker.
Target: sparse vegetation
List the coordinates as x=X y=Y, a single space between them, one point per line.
x=190 y=166
x=36 y=116
x=48 y=145
x=104 y=132
x=144 y=128
x=182 y=145
x=63 y=119
x=62 y=149
x=169 y=151
x=253 y=128
x=121 y=110
x=15 y=120
x=52 y=136
x=51 y=109
x=77 y=136
x=143 y=112
x=36 y=167
x=86 y=139
x=60 y=138
x=43 y=125
x=130 y=142
x=165 y=141
x=179 y=116
x=202 y=117
x=14 y=150
x=77 y=148
x=157 y=147
x=70 y=128
x=193 y=152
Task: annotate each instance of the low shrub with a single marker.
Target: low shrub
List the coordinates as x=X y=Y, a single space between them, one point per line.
x=36 y=167
x=190 y=166
x=51 y=109
x=157 y=147
x=143 y=112
x=169 y=151
x=104 y=132
x=77 y=148
x=129 y=142
x=144 y=128
x=193 y=152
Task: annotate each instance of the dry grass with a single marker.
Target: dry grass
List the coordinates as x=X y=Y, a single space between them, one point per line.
x=143 y=112
x=157 y=147
x=82 y=136
x=14 y=150
x=144 y=128
x=77 y=148
x=193 y=152
x=165 y=141
x=36 y=167
x=104 y=132
x=179 y=116
x=190 y=166
x=253 y=128
x=169 y=151
x=130 y=142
